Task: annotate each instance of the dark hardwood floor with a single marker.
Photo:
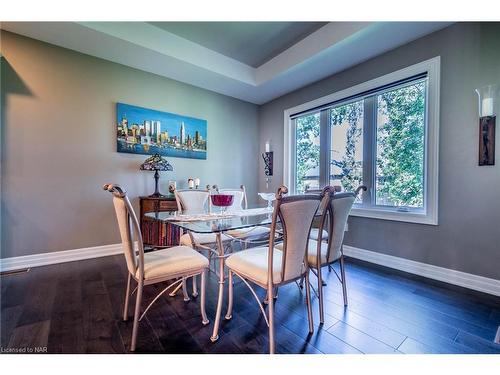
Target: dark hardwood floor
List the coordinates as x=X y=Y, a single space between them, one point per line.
x=76 y=308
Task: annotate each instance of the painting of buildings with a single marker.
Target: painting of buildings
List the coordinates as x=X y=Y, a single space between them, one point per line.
x=147 y=131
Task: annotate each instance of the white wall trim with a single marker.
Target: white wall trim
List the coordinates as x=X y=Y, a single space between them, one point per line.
x=329 y=50
x=36 y=260
x=463 y=279
x=466 y=280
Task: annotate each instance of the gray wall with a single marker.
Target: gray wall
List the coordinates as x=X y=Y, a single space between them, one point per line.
x=58 y=144
x=468 y=235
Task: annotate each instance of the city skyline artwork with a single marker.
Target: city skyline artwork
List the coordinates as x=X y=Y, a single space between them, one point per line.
x=147 y=131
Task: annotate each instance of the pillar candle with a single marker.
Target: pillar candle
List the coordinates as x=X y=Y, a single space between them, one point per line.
x=487 y=107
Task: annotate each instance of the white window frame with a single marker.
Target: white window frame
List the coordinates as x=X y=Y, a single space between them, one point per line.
x=429 y=215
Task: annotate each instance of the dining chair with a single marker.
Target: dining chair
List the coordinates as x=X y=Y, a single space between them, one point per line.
x=178 y=262
x=192 y=200
x=244 y=235
x=270 y=268
x=335 y=210
x=196 y=202
x=314 y=231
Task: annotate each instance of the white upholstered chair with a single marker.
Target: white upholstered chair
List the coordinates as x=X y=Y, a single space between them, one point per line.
x=178 y=262
x=191 y=200
x=315 y=231
x=195 y=202
x=240 y=202
x=270 y=268
x=335 y=210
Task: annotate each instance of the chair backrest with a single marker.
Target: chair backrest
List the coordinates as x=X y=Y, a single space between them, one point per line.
x=327 y=190
x=340 y=208
x=296 y=214
x=334 y=218
x=239 y=200
x=130 y=232
x=193 y=201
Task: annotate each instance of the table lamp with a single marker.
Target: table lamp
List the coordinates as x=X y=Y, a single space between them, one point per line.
x=156 y=163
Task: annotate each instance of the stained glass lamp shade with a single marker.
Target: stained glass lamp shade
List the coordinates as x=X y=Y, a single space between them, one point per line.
x=156 y=163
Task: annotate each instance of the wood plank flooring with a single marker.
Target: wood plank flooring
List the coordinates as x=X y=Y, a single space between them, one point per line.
x=76 y=308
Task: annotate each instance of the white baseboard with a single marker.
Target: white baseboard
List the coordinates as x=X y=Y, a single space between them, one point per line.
x=27 y=261
x=466 y=280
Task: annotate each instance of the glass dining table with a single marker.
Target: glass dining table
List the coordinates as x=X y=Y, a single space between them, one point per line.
x=217 y=224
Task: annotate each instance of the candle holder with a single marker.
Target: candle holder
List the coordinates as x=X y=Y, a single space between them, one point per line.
x=488 y=107
x=268 y=166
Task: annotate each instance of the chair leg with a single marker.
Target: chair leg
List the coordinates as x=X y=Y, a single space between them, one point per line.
x=342 y=273
x=195 y=287
x=204 y=320
x=229 y=313
x=136 y=316
x=184 y=290
x=127 y=295
x=176 y=289
x=320 y=295
x=210 y=261
x=308 y=301
x=271 y=320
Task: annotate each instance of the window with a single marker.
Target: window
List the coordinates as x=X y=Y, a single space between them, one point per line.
x=382 y=134
x=400 y=146
x=346 y=145
x=307 y=152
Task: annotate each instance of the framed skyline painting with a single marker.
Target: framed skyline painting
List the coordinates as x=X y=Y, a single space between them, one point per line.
x=147 y=131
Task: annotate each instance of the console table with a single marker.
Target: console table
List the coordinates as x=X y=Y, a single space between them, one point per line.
x=154 y=232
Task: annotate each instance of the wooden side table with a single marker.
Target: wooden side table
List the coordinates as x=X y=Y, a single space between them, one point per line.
x=154 y=232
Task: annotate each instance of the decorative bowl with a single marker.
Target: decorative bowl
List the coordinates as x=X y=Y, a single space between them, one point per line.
x=269 y=197
x=222 y=200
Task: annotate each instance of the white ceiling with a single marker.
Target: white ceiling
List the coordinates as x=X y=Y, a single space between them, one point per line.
x=327 y=50
x=252 y=43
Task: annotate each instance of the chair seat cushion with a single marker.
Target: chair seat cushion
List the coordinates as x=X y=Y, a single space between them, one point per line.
x=312 y=252
x=252 y=264
x=200 y=238
x=172 y=261
x=315 y=233
x=249 y=232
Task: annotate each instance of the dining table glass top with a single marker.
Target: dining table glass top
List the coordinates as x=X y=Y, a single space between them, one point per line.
x=203 y=222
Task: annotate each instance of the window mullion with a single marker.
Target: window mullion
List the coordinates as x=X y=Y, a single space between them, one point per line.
x=369 y=149
x=293 y=155
x=324 y=149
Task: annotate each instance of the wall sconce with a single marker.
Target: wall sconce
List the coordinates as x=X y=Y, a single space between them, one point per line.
x=268 y=163
x=488 y=107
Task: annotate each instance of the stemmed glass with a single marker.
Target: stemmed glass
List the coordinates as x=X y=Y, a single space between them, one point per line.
x=223 y=201
x=269 y=197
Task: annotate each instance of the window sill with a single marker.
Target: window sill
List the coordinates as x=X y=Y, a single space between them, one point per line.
x=384 y=214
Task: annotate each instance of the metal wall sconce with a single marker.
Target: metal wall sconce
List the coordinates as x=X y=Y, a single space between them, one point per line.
x=268 y=163
x=488 y=107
